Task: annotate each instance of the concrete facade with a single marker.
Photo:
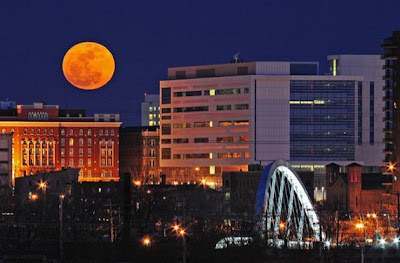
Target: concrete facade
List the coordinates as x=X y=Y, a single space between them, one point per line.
x=151 y=110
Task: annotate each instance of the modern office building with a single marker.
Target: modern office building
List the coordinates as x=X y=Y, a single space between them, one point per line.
x=391 y=77
x=369 y=126
x=218 y=118
x=151 y=110
x=47 y=138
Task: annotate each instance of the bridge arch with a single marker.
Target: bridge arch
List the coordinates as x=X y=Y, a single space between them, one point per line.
x=284 y=209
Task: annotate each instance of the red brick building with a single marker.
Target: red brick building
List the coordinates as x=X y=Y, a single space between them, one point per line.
x=47 y=138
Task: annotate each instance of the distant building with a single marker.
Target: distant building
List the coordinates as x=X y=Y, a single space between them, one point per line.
x=5 y=161
x=139 y=153
x=349 y=189
x=218 y=118
x=151 y=110
x=369 y=146
x=391 y=98
x=5 y=104
x=47 y=138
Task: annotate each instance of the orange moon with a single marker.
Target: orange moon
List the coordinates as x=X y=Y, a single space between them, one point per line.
x=88 y=65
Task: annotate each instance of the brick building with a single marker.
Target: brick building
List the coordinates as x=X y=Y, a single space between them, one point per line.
x=47 y=138
x=139 y=153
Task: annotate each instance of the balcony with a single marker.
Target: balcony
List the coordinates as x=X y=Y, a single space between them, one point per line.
x=387 y=88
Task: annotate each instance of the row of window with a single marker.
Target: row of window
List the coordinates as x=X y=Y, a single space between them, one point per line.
x=38 y=131
x=103 y=173
x=166 y=93
x=207 y=140
x=88 y=142
x=89 y=132
x=225 y=155
x=104 y=162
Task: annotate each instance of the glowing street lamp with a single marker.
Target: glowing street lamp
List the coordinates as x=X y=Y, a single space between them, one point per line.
x=391 y=167
x=359 y=225
x=138 y=183
x=176 y=228
x=34 y=197
x=182 y=232
x=146 y=241
x=281 y=226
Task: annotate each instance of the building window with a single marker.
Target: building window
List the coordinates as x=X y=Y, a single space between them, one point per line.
x=244 y=138
x=89 y=151
x=181 y=140
x=106 y=132
x=71 y=132
x=226 y=139
x=229 y=155
x=51 y=132
x=151 y=163
x=241 y=106
x=71 y=152
x=109 y=142
x=71 y=162
x=38 y=131
x=89 y=142
x=225 y=123
x=80 y=132
x=71 y=142
x=200 y=140
x=89 y=132
x=32 y=132
x=165 y=141
x=45 y=132
x=166 y=153
x=63 y=162
x=188 y=93
x=80 y=162
x=62 y=132
x=62 y=151
x=103 y=142
x=178 y=125
x=103 y=162
x=191 y=109
x=89 y=173
x=80 y=142
x=109 y=162
x=80 y=152
x=166 y=129
x=112 y=132
x=359 y=89
x=89 y=162
x=241 y=123
x=165 y=95
x=62 y=141
x=203 y=124
x=101 y=132
x=223 y=107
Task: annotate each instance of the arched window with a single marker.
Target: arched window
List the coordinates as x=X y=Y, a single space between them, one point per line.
x=109 y=142
x=80 y=142
x=71 y=132
x=32 y=131
x=3 y=131
x=25 y=132
x=101 y=132
x=38 y=131
x=80 y=132
x=112 y=132
x=89 y=132
x=89 y=142
x=51 y=131
x=71 y=142
x=106 y=132
x=62 y=132
x=44 y=131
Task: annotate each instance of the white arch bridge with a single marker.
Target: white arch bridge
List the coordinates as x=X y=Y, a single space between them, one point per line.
x=285 y=214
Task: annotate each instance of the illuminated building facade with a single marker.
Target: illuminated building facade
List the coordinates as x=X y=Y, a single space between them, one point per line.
x=218 y=118
x=47 y=138
x=151 y=110
x=5 y=161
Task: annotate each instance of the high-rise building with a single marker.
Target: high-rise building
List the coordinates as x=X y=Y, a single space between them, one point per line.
x=219 y=118
x=47 y=138
x=391 y=77
x=369 y=126
x=151 y=110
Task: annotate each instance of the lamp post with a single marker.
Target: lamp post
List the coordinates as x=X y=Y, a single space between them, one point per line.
x=60 y=210
x=43 y=186
x=182 y=233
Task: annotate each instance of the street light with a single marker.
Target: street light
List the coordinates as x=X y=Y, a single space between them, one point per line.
x=146 y=241
x=33 y=197
x=359 y=225
x=43 y=186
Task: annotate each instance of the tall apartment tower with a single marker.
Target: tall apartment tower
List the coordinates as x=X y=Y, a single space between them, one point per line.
x=391 y=77
x=217 y=118
x=369 y=126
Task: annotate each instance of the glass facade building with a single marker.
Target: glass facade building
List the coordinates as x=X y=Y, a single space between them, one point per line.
x=322 y=122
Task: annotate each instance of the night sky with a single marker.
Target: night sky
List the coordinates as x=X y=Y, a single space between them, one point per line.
x=147 y=37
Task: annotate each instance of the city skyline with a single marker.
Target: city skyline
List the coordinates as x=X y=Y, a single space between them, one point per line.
x=147 y=41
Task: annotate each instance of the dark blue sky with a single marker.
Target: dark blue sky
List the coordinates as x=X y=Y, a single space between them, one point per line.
x=147 y=37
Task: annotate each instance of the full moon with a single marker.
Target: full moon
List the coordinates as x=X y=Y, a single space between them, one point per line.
x=88 y=65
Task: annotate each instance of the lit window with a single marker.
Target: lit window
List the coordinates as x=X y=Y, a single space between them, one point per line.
x=71 y=162
x=44 y=131
x=71 y=142
x=38 y=131
x=89 y=131
x=62 y=132
x=51 y=131
x=71 y=152
x=109 y=162
x=80 y=152
x=62 y=151
x=80 y=142
x=89 y=173
x=89 y=152
x=81 y=162
x=89 y=142
x=89 y=162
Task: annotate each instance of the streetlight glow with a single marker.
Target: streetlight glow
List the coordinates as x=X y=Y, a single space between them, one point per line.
x=182 y=232
x=146 y=241
x=359 y=225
